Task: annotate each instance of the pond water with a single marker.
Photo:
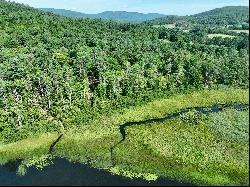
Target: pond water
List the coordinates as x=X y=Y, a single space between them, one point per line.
x=63 y=173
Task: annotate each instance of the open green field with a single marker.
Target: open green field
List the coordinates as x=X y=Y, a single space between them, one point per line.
x=168 y=26
x=213 y=151
x=220 y=35
x=240 y=31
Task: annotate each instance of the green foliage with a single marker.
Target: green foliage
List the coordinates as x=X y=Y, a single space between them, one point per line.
x=231 y=125
x=129 y=174
x=22 y=170
x=192 y=117
x=229 y=15
x=59 y=71
x=62 y=58
x=87 y=76
x=190 y=153
x=39 y=162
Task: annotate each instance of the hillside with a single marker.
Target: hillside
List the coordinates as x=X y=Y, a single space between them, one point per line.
x=226 y=11
x=121 y=16
x=68 y=85
x=128 y=16
x=67 y=13
x=103 y=65
x=231 y=15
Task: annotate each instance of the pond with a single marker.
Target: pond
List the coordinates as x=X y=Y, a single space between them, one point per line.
x=65 y=173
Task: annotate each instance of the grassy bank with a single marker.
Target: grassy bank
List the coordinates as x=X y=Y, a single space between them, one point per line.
x=25 y=149
x=191 y=153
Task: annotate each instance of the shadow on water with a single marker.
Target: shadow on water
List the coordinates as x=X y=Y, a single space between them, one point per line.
x=12 y=166
x=63 y=173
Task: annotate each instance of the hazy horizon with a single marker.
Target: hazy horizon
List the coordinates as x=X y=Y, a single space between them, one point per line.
x=167 y=7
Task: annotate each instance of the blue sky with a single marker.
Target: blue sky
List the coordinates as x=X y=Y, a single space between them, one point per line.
x=176 y=7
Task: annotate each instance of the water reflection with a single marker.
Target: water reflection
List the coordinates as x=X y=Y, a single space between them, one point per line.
x=65 y=173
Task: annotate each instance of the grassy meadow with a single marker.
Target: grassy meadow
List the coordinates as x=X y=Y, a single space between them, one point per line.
x=220 y=35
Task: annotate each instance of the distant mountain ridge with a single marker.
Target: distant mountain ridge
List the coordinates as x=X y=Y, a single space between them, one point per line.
x=122 y=16
x=228 y=15
x=63 y=12
x=227 y=10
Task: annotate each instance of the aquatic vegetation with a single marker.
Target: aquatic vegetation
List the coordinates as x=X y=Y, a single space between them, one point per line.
x=230 y=125
x=39 y=162
x=186 y=152
x=192 y=117
x=131 y=175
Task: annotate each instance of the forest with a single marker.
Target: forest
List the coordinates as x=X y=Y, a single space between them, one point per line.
x=235 y=16
x=76 y=76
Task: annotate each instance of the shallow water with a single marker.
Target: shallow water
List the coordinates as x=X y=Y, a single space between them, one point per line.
x=63 y=173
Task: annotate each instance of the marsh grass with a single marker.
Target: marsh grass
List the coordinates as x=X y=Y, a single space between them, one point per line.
x=175 y=149
x=231 y=125
x=193 y=153
x=27 y=148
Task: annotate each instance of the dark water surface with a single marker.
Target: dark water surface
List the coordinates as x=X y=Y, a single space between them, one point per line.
x=63 y=173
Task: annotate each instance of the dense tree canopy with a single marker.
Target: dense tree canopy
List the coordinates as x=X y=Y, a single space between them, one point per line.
x=237 y=17
x=57 y=70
